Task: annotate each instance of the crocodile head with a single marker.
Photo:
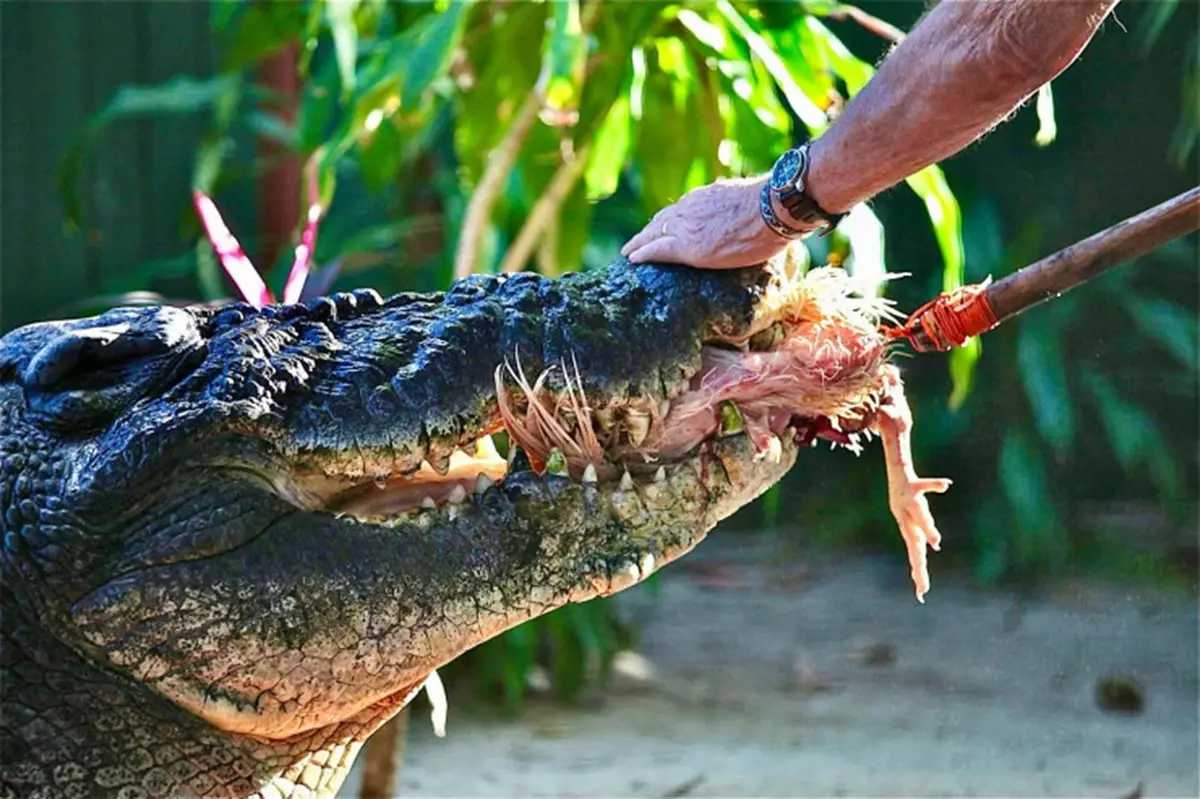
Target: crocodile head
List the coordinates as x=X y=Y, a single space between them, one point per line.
x=240 y=539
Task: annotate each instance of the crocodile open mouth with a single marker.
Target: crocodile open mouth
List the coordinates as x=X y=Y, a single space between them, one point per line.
x=813 y=366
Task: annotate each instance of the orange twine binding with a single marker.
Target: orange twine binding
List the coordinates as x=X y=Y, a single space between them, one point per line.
x=949 y=320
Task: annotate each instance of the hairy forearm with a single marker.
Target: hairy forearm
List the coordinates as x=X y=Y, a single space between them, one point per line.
x=965 y=67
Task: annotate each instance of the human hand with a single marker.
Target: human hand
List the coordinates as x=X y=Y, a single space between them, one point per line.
x=718 y=226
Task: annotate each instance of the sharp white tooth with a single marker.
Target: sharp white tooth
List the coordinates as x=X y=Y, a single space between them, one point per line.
x=428 y=503
x=606 y=418
x=457 y=494
x=626 y=483
x=486 y=448
x=664 y=408
x=835 y=423
x=647 y=564
x=452 y=512
x=589 y=474
x=638 y=425
x=482 y=483
x=775 y=449
x=660 y=476
x=439 y=463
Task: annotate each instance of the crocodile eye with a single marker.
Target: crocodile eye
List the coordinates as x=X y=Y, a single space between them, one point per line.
x=88 y=372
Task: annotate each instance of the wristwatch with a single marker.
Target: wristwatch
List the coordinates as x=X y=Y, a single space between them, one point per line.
x=788 y=183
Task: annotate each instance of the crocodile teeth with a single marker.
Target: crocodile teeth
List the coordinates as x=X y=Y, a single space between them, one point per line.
x=428 y=503
x=639 y=427
x=664 y=408
x=626 y=483
x=457 y=495
x=774 y=449
x=589 y=474
x=647 y=564
x=482 y=483
x=436 y=693
x=485 y=448
x=660 y=476
x=606 y=418
x=439 y=463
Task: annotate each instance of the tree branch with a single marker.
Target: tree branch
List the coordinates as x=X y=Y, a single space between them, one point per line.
x=545 y=210
x=499 y=163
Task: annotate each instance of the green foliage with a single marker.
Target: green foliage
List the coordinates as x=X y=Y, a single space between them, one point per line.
x=404 y=106
x=1063 y=412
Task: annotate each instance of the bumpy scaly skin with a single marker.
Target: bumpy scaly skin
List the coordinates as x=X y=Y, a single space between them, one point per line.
x=182 y=614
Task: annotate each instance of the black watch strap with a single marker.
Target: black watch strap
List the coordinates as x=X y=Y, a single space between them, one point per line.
x=792 y=167
x=769 y=216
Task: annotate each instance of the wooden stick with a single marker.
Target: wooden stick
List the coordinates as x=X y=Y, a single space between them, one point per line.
x=1073 y=266
x=382 y=755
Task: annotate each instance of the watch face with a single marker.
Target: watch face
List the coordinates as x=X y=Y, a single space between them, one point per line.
x=783 y=176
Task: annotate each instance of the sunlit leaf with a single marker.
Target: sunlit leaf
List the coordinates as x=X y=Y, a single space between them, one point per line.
x=664 y=149
x=340 y=14
x=609 y=151
x=261 y=30
x=1043 y=373
x=573 y=229
x=410 y=62
x=866 y=260
x=1047 y=126
x=564 y=57
x=940 y=203
x=807 y=62
x=804 y=108
x=853 y=70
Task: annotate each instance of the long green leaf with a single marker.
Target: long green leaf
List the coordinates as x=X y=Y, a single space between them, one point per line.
x=340 y=14
x=804 y=108
x=609 y=151
x=1175 y=329
x=1134 y=437
x=182 y=95
x=1043 y=373
x=1037 y=535
x=940 y=203
x=565 y=57
x=853 y=70
x=1155 y=21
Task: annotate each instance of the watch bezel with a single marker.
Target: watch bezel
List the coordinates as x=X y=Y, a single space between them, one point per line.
x=788 y=168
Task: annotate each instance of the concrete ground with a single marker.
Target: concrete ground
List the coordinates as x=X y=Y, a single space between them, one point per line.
x=774 y=676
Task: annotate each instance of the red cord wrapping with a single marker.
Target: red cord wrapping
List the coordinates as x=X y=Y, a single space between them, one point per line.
x=949 y=320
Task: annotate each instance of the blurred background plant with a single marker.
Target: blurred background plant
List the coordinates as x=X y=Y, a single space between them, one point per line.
x=451 y=138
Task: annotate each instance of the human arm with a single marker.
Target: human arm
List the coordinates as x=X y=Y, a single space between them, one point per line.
x=964 y=68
